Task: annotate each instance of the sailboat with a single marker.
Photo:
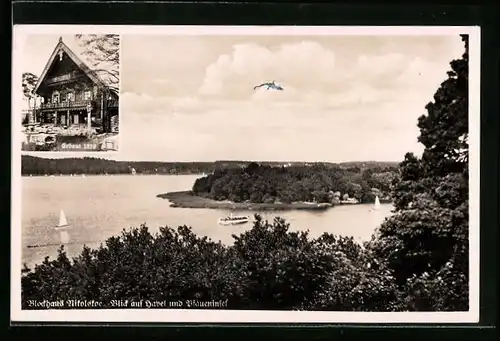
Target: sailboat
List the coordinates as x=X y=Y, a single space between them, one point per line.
x=376 y=206
x=63 y=222
x=62 y=228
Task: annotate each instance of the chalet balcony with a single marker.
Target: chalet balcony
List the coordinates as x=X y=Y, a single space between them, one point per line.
x=66 y=105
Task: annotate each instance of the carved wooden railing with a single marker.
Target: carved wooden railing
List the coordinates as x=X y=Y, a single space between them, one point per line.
x=66 y=105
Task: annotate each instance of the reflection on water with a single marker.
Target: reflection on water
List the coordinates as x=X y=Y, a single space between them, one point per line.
x=64 y=237
x=98 y=207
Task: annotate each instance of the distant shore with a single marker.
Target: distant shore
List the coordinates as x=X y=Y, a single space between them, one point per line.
x=102 y=174
x=186 y=199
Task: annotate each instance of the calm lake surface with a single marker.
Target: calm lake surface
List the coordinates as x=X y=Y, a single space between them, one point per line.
x=98 y=207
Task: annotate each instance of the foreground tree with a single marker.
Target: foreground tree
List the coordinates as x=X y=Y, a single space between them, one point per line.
x=425 y=242
x=268 y=267
x=444 y=131
x=28 y=82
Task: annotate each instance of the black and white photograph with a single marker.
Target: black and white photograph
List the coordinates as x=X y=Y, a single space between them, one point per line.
x=265 y=174
x=70 y=87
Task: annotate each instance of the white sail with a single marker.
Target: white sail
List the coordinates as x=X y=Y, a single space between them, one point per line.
x=377 y=203
x=62 y=220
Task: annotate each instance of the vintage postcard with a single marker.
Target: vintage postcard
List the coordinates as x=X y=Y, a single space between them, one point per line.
x=70 y=91
x=264 y=174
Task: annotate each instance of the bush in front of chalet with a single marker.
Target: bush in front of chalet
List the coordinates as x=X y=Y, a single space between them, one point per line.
x=25 y=146
x=268 y=267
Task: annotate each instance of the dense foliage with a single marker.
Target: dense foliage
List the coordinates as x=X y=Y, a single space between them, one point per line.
x=268 y=267
x=103 y=52
x=28 y=83
x=425 y=242
x=416 y=261
x=320 y=182
x=32 y=165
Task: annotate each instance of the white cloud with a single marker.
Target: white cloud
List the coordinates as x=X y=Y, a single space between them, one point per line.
x=186 y=103
x=302 y=64
x=144 y=103
x=311 y=76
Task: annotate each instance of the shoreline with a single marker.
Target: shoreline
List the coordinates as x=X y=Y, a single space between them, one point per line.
x=109 y=174
x=186 y=199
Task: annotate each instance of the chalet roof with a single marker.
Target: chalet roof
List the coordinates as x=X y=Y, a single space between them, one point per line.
x=62 y=47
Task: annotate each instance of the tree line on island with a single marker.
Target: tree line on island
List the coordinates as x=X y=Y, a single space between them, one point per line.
x=416 y=261
x=316 y=183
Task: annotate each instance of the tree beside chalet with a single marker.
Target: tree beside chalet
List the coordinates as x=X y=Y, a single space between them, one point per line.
x=74 y=96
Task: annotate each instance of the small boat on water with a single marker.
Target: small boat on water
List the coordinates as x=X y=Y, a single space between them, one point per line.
x=376 y=206
x=63 y=222
x=234 y=220
x=62 y=228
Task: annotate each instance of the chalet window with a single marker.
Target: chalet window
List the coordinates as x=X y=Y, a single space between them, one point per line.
x=71 y=96
x=55 y=97
x=87 y=95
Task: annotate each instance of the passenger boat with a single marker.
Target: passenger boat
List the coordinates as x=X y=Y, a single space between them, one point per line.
x=233 y=220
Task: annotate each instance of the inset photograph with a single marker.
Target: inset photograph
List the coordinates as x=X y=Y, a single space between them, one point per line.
x=70 y=86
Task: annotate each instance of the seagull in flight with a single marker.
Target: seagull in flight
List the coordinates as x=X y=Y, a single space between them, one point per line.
x=271 y=85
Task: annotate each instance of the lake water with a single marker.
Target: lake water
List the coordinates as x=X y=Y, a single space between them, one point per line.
x=98 y=207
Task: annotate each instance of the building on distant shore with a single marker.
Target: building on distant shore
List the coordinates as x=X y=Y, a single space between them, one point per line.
x=74 y=100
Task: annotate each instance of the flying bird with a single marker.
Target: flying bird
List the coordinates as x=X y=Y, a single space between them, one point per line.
x=271 y=85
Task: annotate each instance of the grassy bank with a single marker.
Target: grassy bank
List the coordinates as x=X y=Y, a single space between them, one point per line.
x=186 y=199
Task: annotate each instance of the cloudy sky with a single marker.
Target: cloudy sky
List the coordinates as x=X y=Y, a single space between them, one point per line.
x=186 y=98
x=345 y=98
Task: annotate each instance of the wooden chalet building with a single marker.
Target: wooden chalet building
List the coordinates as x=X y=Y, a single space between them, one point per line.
x=74 y=96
